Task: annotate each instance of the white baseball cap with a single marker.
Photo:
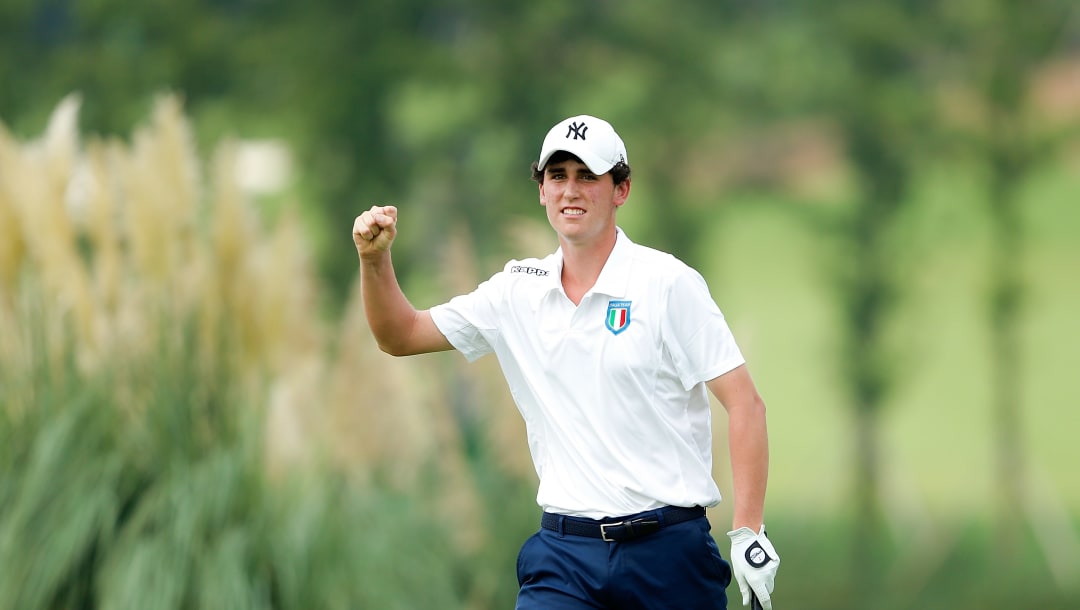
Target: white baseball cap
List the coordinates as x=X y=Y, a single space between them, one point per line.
x=590 y=139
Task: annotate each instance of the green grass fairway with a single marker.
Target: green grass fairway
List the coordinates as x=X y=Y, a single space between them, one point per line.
x=771 y=275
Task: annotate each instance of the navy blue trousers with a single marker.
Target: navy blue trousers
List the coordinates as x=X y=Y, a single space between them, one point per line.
x=676 y=568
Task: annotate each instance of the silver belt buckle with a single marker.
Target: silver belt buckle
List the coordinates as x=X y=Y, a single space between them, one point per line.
x=603 y=530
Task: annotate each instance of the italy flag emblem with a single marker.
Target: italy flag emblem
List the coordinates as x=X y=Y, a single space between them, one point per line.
x=618 y=316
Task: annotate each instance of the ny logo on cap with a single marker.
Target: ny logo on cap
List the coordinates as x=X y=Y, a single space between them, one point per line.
x=578 y=129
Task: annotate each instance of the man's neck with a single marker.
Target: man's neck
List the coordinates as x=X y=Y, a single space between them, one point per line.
x=582 y=264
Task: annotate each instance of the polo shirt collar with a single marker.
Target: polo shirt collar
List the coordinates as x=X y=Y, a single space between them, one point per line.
x=615 y=276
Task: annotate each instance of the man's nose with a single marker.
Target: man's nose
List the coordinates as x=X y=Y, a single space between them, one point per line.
x=571 y=188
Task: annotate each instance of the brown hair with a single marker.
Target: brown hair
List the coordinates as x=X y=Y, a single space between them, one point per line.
x=619 y=173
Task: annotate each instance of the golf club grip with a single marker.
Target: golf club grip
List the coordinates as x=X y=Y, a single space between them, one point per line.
x=754 y=603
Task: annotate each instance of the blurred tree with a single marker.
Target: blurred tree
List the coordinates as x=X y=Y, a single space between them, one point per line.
x=320 y=73
x=118 y=53
x=894 y=53
x=435 y=104
x=1002 y=44
x=883 y=116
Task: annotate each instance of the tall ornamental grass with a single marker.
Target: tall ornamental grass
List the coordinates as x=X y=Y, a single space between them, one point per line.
x=180 y=428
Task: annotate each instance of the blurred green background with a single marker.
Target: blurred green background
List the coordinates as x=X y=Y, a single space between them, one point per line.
x=883 y=195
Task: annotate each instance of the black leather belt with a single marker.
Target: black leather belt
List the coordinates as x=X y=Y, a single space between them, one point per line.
x=621 y=529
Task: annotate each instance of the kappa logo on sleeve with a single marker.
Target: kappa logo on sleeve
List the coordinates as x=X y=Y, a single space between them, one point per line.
x=618 y=316
x=529 y=270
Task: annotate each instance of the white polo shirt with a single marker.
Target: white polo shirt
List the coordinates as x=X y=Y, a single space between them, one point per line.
x=612 y=390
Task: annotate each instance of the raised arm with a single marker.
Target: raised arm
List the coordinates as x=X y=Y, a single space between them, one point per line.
x=398 y=327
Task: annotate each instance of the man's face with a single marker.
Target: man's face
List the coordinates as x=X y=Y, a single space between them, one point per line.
x=580 y=205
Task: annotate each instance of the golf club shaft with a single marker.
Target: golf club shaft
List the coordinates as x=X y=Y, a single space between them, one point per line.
x=754 y=603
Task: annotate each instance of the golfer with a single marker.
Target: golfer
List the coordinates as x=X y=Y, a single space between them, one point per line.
x=610 y=349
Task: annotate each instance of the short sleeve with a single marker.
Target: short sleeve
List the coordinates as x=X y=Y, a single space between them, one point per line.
x=695 y=331
x=469 y=321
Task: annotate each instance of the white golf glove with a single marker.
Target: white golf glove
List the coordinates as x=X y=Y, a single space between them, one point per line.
x=754 y=562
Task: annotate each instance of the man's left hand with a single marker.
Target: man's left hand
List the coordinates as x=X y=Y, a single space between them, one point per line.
x=754 y=562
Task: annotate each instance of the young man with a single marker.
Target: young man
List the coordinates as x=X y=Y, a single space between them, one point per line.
x=609 y=349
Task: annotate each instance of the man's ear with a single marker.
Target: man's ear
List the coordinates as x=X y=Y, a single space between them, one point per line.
x=622 y=192
x=543 y=198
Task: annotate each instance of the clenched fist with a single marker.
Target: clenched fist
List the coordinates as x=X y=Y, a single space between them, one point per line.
x=374 y=230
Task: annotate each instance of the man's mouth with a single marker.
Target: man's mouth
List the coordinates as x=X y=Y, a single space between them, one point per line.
x=573 y=211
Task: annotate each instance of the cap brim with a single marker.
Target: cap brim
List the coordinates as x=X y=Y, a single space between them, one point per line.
x=595 y=164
